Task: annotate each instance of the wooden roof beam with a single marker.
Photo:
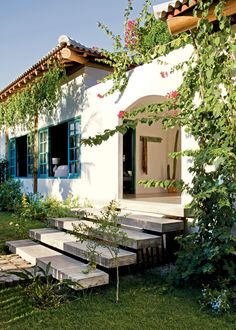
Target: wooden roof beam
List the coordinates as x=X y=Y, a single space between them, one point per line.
x=187 y=21
x=71 y=55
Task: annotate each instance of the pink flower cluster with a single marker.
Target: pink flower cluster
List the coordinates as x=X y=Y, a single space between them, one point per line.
x=171 y=113
x=121 y=114
x=172 y=95
x=164 y=74
x=131 y=38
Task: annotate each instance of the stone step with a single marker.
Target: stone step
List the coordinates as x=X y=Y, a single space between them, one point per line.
x=157 y=223
x=62 y=267
x=67 y=243
x=136 y=238
x=153 y=223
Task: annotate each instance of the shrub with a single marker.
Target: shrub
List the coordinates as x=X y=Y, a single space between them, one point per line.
x=216 y=300
x=3 y=170
x=43 y=290
x=10 y=194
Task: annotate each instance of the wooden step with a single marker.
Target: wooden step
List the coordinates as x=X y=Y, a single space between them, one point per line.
x=137 y=239
x=67 y=243
x=62 y=267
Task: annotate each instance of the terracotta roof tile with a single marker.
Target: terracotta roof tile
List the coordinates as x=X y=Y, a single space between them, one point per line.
x=63 y=41
x=177 y=8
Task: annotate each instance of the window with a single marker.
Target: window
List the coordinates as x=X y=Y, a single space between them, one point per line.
x=12 y=157
x=21 y=156
x=74 y=147
x=43 y=152
x=60 y=142
x=30 y=154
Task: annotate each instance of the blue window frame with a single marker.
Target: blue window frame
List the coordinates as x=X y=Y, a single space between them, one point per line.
x=12 y=157
x=30 y=154
x=43 y=152
x=74 y=142
x=62 y=141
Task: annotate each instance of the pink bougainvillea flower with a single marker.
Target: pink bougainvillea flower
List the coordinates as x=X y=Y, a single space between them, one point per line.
x=172 y=95
x=171 y=113
x=100 y=96
x=164 y=74
x=121 y=114
x=131 y=38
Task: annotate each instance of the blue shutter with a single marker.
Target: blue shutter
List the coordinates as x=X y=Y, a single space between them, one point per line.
x=12 y=157
x=43 y=153
x=30 y=154
x=74 y=137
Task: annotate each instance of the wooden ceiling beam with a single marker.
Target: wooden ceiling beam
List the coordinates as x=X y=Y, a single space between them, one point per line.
x=71 y=55
x=187 y=21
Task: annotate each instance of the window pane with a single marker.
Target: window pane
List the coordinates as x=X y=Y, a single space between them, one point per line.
x=72 y=141
x=77 y=154
x=77 y=128
x=77 y=167
x=72 y=154
x=72 y=168
x=77 y=140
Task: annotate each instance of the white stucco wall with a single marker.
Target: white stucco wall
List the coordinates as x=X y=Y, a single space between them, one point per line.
x=102 y=173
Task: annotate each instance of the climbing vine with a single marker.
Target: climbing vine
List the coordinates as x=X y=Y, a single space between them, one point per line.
x=24 y=107
x=143 y=38
x=39 y=97
x=204 y=105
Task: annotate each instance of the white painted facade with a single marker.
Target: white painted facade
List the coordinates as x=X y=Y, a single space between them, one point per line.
x=102 y=166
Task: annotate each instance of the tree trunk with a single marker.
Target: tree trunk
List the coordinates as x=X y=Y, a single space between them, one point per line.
x=117 y=280
x=35 y=168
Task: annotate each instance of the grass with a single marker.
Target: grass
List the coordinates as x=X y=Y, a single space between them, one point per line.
x=142 y=306
x=9 y=233
x=145 y=303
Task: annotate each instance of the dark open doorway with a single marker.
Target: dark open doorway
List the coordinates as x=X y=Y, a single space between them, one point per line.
x=21 y=156
x=129 y=162
x=58 y=145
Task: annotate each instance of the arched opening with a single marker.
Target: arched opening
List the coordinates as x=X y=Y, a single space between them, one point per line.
x=145 y=155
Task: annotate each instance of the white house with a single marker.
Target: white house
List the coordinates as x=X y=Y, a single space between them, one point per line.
x=112 y=169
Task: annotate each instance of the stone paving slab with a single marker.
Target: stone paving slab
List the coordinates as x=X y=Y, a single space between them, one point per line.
x=11 y=262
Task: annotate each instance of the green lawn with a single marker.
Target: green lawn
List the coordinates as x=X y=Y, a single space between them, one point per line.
x=142 y=306
x=8 y=232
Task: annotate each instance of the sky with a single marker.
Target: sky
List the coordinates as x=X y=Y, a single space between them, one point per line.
x=29 y=29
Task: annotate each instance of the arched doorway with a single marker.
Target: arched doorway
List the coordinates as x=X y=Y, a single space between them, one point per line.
x=145 y=154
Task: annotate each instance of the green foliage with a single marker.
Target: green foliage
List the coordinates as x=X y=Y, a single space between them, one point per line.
x=153 y=32
x=3 y=170
x=42 y=289
x=34 y=207
x=40 y=97
x=215 y=300
x=206 y=100
x=105 y=232
x=146 y=39
x=169 y=177
x=10 y=194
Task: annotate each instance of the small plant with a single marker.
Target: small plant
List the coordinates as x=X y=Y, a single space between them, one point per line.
x=216 y=300
x=42 y=288
x=106 y=233
x=35 y=207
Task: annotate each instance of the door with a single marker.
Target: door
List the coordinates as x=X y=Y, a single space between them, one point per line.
x=129 y=162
